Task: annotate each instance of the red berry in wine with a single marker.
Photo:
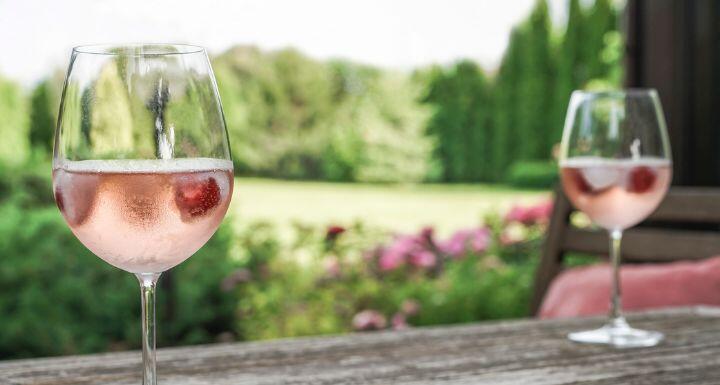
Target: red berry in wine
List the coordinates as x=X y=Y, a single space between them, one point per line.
x=59 y=200
x=77 y=202
x=641 y=179
x=196 y=198
x=581 y=184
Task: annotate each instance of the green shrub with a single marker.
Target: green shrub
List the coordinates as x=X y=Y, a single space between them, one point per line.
x=460 y=122
x=195 y=307
x=246 y=283
x=61 y=298
x=249 y=283
x=533 y=174
x=44 y=104
x=56 y=297
x=474 y=290
x=27 y=185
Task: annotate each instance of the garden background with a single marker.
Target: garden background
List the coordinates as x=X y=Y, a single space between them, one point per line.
x=366 y=198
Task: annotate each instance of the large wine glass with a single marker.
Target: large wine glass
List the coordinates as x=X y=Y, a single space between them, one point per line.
x=141 y=169
x=616 y=167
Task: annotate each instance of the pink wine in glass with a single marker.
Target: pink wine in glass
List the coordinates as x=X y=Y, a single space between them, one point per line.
x=143 y=216
x=616 y=194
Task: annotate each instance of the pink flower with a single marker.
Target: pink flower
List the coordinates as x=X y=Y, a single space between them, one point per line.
x=464 y=241
x=416 y=250
x=455 y=246
x=517 y=214
x=530 y=215
x=399 y=322
x=541 y=212
x=390 y=261
x=480 y=240
x=423 y=258
x=393 y=257
x=369 y=320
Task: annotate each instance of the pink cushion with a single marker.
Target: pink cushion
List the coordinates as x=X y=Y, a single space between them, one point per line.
x=585 y=291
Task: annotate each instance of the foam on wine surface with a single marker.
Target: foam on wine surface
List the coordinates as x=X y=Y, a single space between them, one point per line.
x=143 y=215
x=616 y=193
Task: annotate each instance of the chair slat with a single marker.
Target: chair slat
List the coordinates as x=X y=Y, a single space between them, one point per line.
x=646 y=245
x=690 y=204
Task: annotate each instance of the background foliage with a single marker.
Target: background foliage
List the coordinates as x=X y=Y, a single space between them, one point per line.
x=291 y=116
x=250 y=283
x=482 y=127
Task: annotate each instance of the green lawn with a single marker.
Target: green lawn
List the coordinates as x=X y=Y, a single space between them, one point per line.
x=403 y=208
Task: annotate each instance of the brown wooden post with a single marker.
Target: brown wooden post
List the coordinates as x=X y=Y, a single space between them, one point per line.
x=551 y=259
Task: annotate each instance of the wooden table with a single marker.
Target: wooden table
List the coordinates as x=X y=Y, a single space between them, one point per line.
x=511 y=352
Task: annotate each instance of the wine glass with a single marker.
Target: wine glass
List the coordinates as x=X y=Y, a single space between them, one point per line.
x=616 y=167
x=142 y=171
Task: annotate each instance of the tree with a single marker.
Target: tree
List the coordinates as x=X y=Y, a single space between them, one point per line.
x=460 y=123
x=14 y=142
x=601 y=19
x=536 y=81
x=505 y=95
x=446 y=123
x=477 y=127
x=294 y=117
x=572 y=67
x=42 y=117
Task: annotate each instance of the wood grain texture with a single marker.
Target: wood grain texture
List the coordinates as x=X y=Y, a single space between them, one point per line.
x=647 y=245
x=511 y=352
x=689 y=204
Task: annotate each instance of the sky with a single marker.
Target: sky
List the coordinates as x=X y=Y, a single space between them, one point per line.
x=37 y=35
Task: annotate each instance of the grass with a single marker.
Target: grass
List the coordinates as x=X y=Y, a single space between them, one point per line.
x=402 y=208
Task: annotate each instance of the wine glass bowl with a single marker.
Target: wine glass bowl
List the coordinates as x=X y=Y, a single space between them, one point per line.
x=142 y=171
x=143 y=216
x=616 y=167
x=616 y=194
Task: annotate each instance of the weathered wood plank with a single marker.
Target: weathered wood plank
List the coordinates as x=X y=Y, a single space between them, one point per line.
x=689 y=204
x=514 y=352
x=646 y=244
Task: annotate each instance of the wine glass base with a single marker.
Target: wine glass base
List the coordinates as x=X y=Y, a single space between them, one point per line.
x=619 y=334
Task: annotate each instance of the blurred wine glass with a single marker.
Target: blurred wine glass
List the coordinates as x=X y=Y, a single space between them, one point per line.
x=615 y=166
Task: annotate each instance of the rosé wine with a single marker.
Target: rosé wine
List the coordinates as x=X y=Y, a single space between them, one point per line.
x=143 y=216
x=616 y=194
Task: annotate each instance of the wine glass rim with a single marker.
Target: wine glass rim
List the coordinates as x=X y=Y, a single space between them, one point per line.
x=617 y=93
x=138 y=49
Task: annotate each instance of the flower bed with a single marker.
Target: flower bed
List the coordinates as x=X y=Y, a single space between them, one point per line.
x=357 y=278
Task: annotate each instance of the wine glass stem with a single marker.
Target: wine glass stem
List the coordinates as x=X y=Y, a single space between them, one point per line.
x=148 y=284
x=615 y=301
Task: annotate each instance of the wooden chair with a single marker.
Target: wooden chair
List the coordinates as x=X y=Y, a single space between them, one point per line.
x=685 y=226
